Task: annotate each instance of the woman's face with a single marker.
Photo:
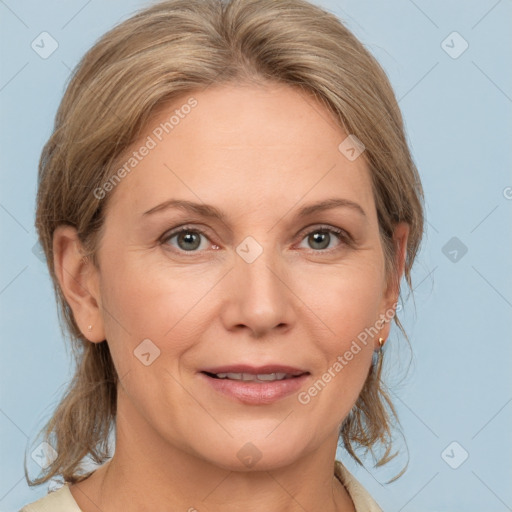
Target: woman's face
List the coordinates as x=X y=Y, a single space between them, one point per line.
x=258 y=283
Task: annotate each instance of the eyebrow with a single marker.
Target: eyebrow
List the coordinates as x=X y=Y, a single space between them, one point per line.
x=207 y=210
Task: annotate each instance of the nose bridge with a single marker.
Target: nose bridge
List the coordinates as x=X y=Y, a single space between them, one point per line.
x=261 y=296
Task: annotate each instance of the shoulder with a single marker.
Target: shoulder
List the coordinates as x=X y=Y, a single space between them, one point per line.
x=60 y=500
x=363 y=502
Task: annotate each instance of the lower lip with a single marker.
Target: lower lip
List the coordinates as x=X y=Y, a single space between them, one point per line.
x=256 y=393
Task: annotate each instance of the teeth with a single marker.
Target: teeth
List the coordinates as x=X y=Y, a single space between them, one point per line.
x=271 y=376
x=251 y=377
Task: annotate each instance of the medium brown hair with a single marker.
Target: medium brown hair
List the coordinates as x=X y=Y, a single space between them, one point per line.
x=164 y=52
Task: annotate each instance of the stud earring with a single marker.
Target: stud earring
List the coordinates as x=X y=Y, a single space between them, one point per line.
x=89 y=328
x=381 y=343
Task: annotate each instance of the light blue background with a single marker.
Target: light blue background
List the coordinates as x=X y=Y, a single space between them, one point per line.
x=457 y=114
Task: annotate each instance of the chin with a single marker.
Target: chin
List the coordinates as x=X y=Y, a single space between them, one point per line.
x=256 y=453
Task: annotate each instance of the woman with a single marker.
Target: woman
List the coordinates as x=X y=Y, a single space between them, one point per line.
x=227 y=205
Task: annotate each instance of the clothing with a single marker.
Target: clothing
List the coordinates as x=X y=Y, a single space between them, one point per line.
x=363 y=502
x=62 y=500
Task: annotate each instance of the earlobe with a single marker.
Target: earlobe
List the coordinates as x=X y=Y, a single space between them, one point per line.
x=78 y=279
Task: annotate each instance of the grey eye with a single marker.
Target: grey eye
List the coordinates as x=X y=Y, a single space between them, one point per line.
x=186 y=239
x=319 y=239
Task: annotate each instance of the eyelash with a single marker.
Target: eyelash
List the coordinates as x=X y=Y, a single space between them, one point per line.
x=343 y=236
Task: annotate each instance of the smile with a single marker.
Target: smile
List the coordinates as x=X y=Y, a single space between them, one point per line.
x=253 y=388
x=261 y=377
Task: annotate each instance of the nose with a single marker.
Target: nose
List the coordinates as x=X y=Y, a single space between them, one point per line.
x=259 y=298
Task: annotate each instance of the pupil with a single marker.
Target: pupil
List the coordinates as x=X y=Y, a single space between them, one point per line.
x=321 y=238
x=189 y=238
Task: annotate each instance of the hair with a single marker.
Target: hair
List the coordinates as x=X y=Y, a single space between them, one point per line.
x=162 y=53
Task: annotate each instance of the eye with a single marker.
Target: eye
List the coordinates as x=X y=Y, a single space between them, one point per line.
x=321 y=237
x=187 y=239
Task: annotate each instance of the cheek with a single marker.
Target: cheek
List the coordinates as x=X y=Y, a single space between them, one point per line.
x=162 y=304
x=346 y=299
x=346 y=306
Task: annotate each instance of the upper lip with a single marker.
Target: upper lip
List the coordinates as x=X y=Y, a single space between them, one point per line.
x=255 y=370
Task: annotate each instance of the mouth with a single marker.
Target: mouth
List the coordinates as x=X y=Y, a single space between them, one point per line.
x=251 y=377
x=255 y=385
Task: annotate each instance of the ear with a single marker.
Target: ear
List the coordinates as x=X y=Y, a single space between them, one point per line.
x=79 y=281
x=392 y=290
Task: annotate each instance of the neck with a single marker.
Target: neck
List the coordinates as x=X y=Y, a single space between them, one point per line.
x=147 y=472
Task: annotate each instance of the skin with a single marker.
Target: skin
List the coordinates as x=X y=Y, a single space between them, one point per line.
x=259 y=153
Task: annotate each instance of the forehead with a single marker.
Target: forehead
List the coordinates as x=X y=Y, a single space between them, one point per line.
x=245 y=145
